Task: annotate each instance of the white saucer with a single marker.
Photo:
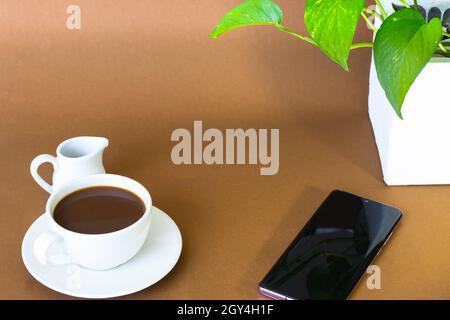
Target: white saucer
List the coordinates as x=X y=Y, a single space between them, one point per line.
x=157 y=257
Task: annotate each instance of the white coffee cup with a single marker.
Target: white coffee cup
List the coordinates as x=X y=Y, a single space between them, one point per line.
x=94 y=251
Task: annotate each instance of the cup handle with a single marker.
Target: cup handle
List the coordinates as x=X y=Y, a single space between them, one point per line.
x=36 y=163
x=41 y=250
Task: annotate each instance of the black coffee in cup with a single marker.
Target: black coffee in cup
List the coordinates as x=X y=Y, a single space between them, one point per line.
x=97 y=210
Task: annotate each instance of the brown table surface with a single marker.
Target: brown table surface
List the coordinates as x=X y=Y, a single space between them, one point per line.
x=137 y=71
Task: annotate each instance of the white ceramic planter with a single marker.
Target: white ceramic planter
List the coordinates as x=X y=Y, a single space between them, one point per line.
x=416 y=150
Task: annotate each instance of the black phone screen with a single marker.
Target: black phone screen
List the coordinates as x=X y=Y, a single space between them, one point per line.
x=334 y=249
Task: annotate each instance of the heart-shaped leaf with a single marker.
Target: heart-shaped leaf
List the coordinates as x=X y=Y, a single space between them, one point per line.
x=404 y=44
x=332 y=24
x=249 y=13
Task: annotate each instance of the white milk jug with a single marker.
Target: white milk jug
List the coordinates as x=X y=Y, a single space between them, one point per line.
x=76 y=157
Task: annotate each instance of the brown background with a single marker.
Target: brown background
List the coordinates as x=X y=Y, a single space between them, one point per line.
x=136 y=71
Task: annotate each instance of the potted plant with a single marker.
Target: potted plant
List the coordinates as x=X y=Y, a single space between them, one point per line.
x=408 y=74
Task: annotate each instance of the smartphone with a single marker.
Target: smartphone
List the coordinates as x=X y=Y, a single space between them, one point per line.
x=332 y=252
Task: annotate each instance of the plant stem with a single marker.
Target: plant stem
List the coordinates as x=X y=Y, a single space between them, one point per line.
x=374 y=13
x=443 y=48
x=311 y=41
x=304 y=38
x=369 y=23
x=382 y=10
x=361 y=45
x=406 y=4
x=416 y=5
x=446 y=34
x=440 y=52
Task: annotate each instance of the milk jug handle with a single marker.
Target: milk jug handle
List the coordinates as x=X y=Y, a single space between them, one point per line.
x=36 y=163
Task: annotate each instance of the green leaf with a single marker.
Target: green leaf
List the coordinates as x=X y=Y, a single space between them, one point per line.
x=332 y=24
x=249 y=13
x=403 y=46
